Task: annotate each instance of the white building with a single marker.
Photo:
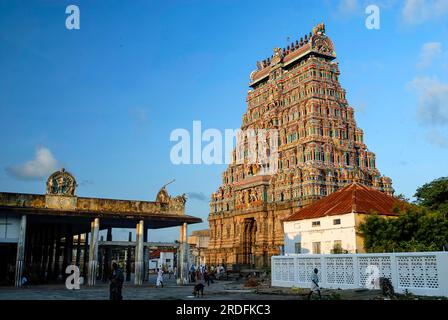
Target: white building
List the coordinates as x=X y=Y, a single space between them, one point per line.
x=166 y=259
x=198 y=242
x=330 y=225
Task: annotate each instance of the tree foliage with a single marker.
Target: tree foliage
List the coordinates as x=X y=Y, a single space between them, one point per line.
x=434 y=195
x=418 y=228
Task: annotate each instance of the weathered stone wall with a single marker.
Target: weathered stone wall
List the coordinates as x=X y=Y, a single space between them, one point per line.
x=64 y=202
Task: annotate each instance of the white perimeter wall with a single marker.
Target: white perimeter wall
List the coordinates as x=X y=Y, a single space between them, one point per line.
x=422 y=273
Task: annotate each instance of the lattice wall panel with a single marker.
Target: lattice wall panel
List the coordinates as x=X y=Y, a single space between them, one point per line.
x=284 y=269
x=418 y=272
x=340 y=270
x=306 y=267
x=383 y=263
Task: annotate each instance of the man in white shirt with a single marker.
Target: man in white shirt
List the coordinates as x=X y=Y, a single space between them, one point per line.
x=314 y=284
x=159 y=280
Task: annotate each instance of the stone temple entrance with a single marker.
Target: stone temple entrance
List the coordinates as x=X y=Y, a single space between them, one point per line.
x=249 y=237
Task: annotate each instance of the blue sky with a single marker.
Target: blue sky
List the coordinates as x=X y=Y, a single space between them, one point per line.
x=102 y=100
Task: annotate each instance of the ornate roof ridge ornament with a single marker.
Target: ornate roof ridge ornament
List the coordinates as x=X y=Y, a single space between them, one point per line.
x=62 y=183
x=316 y=41
x=162 y=195
x=319 y=29
x=175 y=204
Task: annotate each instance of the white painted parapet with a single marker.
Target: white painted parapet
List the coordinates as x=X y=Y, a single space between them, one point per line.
x=421 y=273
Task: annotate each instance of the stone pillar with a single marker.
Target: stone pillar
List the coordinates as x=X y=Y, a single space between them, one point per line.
x=78 y=251
x=138 y=274
x=68 y=249
x=45 y=255
x=28 y=246
x=57 y=254
x=93 y=251
x=85 y=257
x=183 y=256
x=107 y=256
x=51 y=253
x=145 y=255
x=128 y=259
x=37 y=249
x=20 y=252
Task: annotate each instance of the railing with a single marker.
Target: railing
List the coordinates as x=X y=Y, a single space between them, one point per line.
x=421 y=273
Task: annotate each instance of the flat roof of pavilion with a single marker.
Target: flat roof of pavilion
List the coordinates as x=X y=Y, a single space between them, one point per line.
x=113 y=213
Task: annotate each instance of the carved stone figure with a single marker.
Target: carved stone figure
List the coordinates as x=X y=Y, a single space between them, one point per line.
x=61 y=183
x=177 y=204
x=179 y=200
x=162 y=196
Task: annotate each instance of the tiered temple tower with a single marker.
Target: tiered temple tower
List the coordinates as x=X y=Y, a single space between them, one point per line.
x=320 y=149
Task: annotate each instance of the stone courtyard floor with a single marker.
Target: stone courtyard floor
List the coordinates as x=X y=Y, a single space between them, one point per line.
x=220 y=290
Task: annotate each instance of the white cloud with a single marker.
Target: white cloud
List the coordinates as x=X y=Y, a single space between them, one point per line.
x=429 y=52
x=433 y=100
x=348 y=6
x=419 y=11
x=435 y=137
x=41 y=166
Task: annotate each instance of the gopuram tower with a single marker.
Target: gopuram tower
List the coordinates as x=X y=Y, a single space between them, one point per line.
x=320 y=149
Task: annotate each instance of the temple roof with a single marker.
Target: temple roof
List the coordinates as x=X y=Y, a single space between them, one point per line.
x=118 y=213
x=315 y=42
x=355 y=198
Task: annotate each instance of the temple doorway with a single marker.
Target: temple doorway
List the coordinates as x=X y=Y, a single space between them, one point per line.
x=249 y=233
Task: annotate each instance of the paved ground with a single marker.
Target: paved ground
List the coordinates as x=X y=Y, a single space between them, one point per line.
x=220 y=290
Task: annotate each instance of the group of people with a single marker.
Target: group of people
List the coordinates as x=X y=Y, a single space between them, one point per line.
x=116 y=279
x=200 y=275
x=205 y=274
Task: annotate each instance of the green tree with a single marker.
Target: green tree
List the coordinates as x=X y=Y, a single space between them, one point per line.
x=415 y=229
x=402 y=197
x=434 y=195
x=421 y=227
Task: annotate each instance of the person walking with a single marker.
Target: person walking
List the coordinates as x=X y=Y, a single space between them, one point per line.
x=192 y=274
x=116 y=283
x=314 y=284
x=198 y=274
x=206 y=278
x=159 y=281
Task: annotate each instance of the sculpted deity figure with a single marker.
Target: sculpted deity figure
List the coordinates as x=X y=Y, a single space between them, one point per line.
x=71 y=189
x=50 y=186
x=241 y=197
x=259 y=194
x=62 y=183
x=252 y=196
x=178 y=203
x=273 y=93
x=163 y=196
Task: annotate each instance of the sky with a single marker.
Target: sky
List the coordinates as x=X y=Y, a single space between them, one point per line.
x=102 y=100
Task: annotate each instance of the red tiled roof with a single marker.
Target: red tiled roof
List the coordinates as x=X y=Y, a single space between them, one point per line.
x=155 y=254
x=352 y=198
